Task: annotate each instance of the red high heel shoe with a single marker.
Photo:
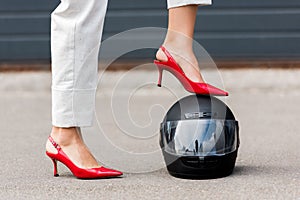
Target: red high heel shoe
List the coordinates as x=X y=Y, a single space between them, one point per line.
x=190 y=86
x=99 y=172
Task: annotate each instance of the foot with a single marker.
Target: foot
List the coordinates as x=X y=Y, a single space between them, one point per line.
x=71 y=142
x=185 y=58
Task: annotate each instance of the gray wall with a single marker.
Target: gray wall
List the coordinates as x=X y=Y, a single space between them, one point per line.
x=229 y=29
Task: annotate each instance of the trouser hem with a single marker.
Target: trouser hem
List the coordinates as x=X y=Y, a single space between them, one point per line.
x=73 y=108
x=178 y=3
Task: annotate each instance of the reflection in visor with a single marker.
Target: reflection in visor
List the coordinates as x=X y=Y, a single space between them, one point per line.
x=200 y=137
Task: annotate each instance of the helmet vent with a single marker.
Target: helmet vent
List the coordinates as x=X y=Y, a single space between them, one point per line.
x=200 y=162
x=197 y=115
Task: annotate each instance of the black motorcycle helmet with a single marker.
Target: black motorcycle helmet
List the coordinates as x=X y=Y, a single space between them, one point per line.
x=199 y=137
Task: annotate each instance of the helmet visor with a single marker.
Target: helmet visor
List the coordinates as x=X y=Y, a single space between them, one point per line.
x=205 y=137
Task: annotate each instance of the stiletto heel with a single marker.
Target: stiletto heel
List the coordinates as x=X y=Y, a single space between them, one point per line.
x=98 y=172
x=55 y=167
x=160 y=71
x=193 y=87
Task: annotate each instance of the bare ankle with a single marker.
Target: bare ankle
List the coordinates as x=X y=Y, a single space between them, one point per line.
x=65 y=136
x=178 y=40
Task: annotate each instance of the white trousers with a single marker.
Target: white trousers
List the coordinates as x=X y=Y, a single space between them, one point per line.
x=178 y=3
x=76 y=31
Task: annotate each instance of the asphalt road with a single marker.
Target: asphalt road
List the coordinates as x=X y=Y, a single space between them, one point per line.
x=124 y=136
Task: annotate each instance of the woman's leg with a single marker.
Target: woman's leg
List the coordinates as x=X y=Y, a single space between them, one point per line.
x=179 y=38
x=76 y=30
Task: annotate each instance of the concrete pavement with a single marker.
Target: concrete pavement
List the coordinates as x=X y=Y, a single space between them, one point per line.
x=129 y=109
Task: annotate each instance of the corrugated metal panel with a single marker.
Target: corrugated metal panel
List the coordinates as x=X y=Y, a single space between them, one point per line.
x=24 y=29
x=228 y=29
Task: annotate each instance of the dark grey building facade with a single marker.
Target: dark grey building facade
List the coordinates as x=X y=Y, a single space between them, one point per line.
x=230 y=29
